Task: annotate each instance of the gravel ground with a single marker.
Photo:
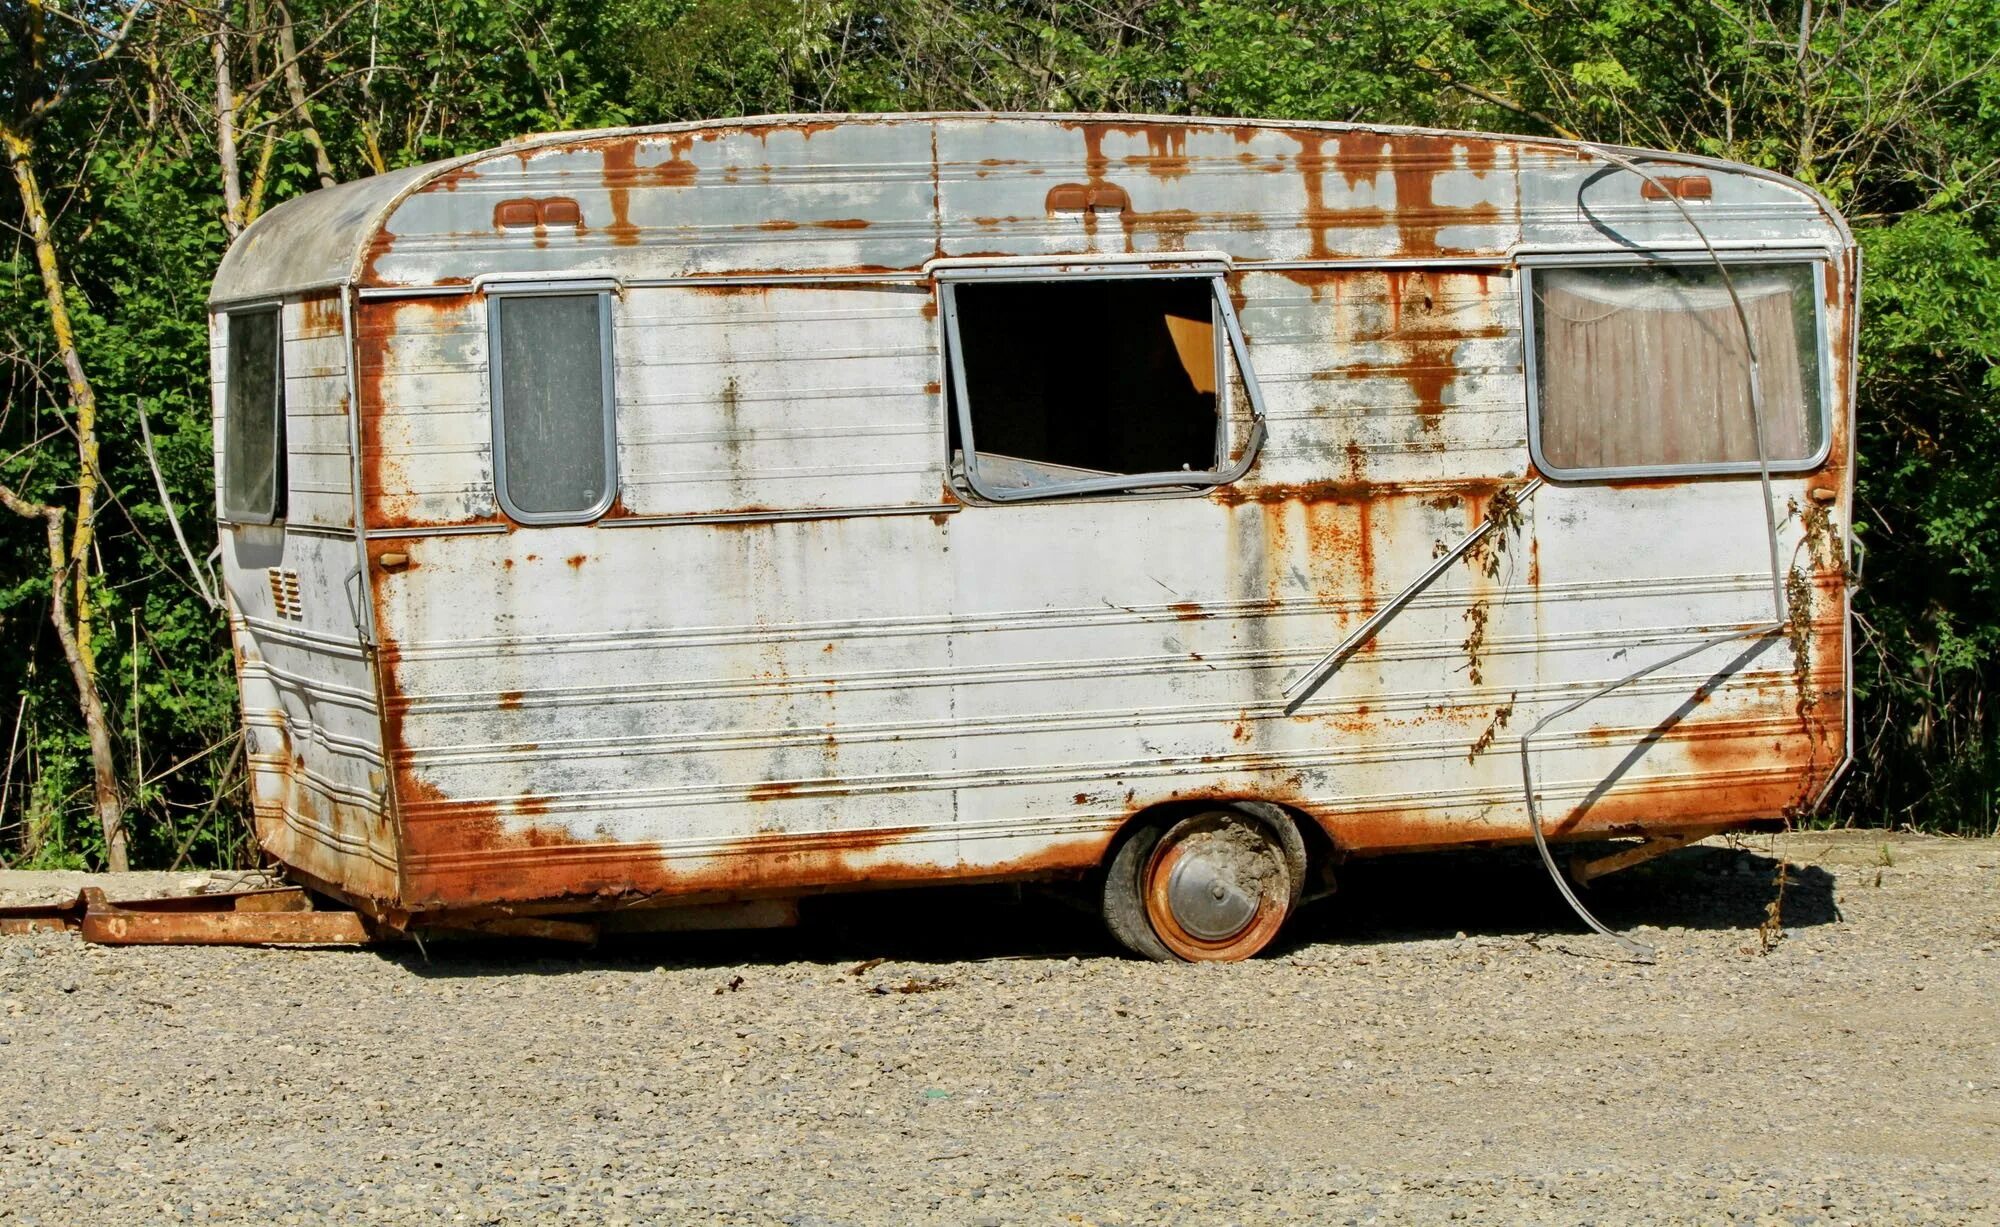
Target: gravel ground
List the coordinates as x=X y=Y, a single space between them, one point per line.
x=1436 y=1043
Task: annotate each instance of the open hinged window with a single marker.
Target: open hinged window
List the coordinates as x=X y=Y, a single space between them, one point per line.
x=1640 y=368
x=1097 y=378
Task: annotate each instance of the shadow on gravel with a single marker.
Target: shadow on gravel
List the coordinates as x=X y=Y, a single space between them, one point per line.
x=1501 y=892
x=1507 y=892
x=923 y=926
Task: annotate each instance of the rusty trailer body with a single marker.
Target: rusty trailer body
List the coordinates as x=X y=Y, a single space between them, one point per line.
x=607 y=524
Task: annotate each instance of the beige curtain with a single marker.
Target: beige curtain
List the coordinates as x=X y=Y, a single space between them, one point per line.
x=1644 y=367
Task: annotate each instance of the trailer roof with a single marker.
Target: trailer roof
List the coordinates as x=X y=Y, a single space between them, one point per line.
x=313 y=241
x=326 y=238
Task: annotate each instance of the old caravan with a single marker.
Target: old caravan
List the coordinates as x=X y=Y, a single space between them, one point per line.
x=717 y=513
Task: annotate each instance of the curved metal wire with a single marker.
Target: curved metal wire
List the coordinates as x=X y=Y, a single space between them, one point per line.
x=1780 y=615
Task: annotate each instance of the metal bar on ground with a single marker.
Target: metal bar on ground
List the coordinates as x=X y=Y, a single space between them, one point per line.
x=280 y=917
x=1652 y=846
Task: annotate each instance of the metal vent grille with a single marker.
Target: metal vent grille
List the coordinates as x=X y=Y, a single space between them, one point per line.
x=285 y=593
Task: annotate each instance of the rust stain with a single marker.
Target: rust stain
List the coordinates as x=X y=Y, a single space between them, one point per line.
x=576 y=561
x=380 y=244
x=1426 y=327
x=1428 y=369
x=319 y=315
x=1167 y=156
x=471 y=858
x=386 y=492
x=622 y=174
x=1364 y=560
x=1187 y=611
x=1411 y=163
x=510 y=699
x=1312 y=173
x=619 y=172
x=450 y=179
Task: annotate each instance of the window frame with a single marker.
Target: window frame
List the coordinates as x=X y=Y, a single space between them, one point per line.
x=1813 y=257
x=497 y=295
x=1229 y=340
x=281 y=476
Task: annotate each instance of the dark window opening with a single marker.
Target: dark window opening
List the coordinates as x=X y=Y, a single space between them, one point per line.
x=253 y=449
x=1072 y=379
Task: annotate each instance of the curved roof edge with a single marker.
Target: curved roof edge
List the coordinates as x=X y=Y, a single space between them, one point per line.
x=319 y=240
x=313 y=241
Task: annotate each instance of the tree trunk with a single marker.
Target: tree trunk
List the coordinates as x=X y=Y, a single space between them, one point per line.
x=110 y=809
x=295 y=85
x=73 y=624
x=225 y=130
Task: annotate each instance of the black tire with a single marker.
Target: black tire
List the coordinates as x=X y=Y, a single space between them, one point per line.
x=1124 y=894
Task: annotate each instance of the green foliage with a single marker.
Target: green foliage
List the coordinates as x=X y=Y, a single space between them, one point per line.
x=1891 y=109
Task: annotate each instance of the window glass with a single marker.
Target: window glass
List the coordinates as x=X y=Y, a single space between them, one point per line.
x=253 y=456
x=1643 y=366
x=1074 y=379
x=553 y=414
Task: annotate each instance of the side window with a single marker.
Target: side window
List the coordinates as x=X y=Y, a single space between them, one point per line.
x=554 y=450
x=1075 y=385
x=1643 y=368
x=253 y=418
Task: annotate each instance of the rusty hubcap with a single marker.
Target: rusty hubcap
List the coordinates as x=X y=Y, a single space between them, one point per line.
x=1217 y=888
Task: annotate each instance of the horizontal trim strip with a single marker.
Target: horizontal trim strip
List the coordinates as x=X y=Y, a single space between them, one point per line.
x=760 y=517
x=441 y=530
x=1440 y=597
x=1215 y=717
x=1104 y=776
x=971 y=677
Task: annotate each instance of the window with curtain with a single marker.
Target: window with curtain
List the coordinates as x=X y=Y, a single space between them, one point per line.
x=1643 y=367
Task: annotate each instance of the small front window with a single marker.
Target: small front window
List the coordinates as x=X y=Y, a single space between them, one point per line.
x=253 y=448
x=555 y=459
x=1077 y=384
x=1643 y=368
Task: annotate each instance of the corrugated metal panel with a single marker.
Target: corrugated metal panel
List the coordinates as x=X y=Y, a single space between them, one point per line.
x=312 y=722
x=319 y=460
x=426 y=426
x=850 y=196
x=718 y=414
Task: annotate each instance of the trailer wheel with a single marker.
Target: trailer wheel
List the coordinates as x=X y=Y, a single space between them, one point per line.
x=1212 y=886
